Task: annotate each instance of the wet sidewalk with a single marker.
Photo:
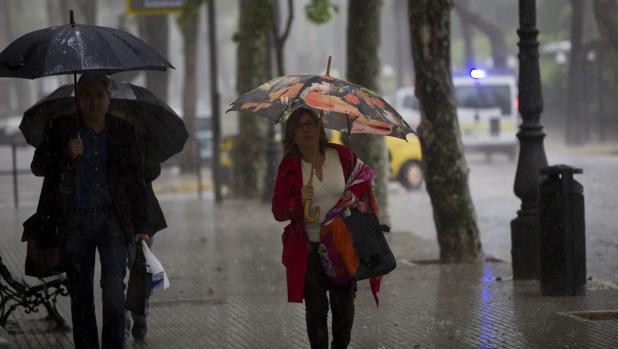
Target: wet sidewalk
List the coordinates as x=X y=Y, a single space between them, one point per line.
x=228 y=291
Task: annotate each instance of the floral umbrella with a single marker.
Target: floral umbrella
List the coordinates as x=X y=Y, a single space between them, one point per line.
x=77 y=49
x=341 y=105
x=346 y=106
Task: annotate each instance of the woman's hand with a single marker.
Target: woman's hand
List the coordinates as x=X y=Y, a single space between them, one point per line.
x=306 y=192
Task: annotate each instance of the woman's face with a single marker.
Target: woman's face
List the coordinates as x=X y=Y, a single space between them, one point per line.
x=306 y=131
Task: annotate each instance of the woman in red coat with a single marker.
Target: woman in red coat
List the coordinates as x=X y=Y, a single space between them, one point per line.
x=341 y=181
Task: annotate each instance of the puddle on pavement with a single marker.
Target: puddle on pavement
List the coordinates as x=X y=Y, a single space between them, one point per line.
x=597 y=315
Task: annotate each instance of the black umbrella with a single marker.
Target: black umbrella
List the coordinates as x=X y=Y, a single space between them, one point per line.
x=76 y=48
x=150 y=116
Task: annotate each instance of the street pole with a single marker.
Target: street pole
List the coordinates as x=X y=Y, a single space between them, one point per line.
x=215 y=101
x=525 y=229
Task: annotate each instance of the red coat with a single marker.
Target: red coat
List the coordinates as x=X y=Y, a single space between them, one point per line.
x=287 y=205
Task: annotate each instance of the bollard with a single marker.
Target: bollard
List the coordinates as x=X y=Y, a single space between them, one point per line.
x=563 y=232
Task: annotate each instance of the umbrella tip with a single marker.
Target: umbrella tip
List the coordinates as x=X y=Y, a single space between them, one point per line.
x=72 y=18
x=330 y=58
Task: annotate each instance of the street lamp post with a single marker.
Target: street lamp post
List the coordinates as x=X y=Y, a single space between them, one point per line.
x=525 y=229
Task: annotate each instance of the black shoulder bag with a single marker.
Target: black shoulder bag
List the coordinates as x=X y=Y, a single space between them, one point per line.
x=373 y=252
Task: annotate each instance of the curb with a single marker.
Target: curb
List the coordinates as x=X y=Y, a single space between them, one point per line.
x=181 y=187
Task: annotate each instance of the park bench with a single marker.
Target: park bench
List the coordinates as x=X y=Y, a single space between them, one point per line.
x=31 y=296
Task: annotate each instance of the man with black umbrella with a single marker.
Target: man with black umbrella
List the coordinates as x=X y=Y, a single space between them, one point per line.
x=94 y=185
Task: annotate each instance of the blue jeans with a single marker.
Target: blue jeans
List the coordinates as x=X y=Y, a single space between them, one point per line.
x=87 y=233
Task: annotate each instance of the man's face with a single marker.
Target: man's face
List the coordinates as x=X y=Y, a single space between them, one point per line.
x=93 y=100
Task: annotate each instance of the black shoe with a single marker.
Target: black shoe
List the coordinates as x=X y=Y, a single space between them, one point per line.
x=139 y=330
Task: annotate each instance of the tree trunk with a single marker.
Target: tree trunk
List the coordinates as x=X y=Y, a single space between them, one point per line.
x=574 y=124
x=154 y=31
x=281 y=37
x=189 y=95
x=499 y=49
x=466 y=33
x=403 y=57
x=606 y=14
x=446 y=169
x=249 y=146
x=363 y=68
x=276 y=43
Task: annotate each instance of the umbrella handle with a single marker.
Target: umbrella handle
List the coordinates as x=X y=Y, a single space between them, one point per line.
x=309 y=218
x=316 y=215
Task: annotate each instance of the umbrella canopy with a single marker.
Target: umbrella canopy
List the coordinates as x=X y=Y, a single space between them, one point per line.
x=76 y=48
x=149 y=114
x=346 y=106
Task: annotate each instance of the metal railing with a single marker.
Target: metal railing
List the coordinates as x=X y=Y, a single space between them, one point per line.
x=14 y=171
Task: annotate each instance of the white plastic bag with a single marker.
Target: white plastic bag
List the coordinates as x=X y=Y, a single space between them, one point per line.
x=153 y=266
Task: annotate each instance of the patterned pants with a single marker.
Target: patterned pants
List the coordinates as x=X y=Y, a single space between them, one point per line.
x=341 y=299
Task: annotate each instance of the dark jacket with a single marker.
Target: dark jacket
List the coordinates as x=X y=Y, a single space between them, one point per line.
x=125 y=173
x=155 y=220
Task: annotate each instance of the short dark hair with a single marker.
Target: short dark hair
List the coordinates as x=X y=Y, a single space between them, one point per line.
x=94 y=79
x=290 y=128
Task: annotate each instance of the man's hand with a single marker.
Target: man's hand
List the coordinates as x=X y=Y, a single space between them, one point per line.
x=141 y=236
x=76 y=148
x=306 y=192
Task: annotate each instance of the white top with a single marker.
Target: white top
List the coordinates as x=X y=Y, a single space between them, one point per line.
x=327 y=192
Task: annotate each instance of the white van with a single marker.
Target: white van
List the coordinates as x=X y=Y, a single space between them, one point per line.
x=486 y=109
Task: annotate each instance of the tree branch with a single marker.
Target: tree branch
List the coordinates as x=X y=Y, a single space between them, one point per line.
x=288 y=25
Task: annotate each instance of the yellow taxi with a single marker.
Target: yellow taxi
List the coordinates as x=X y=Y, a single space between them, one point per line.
x=404 y=157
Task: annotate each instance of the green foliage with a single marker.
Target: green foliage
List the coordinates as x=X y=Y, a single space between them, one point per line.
x=320 y=11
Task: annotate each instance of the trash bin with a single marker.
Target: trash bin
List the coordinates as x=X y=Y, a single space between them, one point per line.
x=563 y=232
x=4 y=344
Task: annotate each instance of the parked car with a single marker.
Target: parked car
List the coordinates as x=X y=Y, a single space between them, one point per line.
x=405 y=159
x=486 y=109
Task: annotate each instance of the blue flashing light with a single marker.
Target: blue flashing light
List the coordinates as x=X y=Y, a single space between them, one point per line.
x=476 y=73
